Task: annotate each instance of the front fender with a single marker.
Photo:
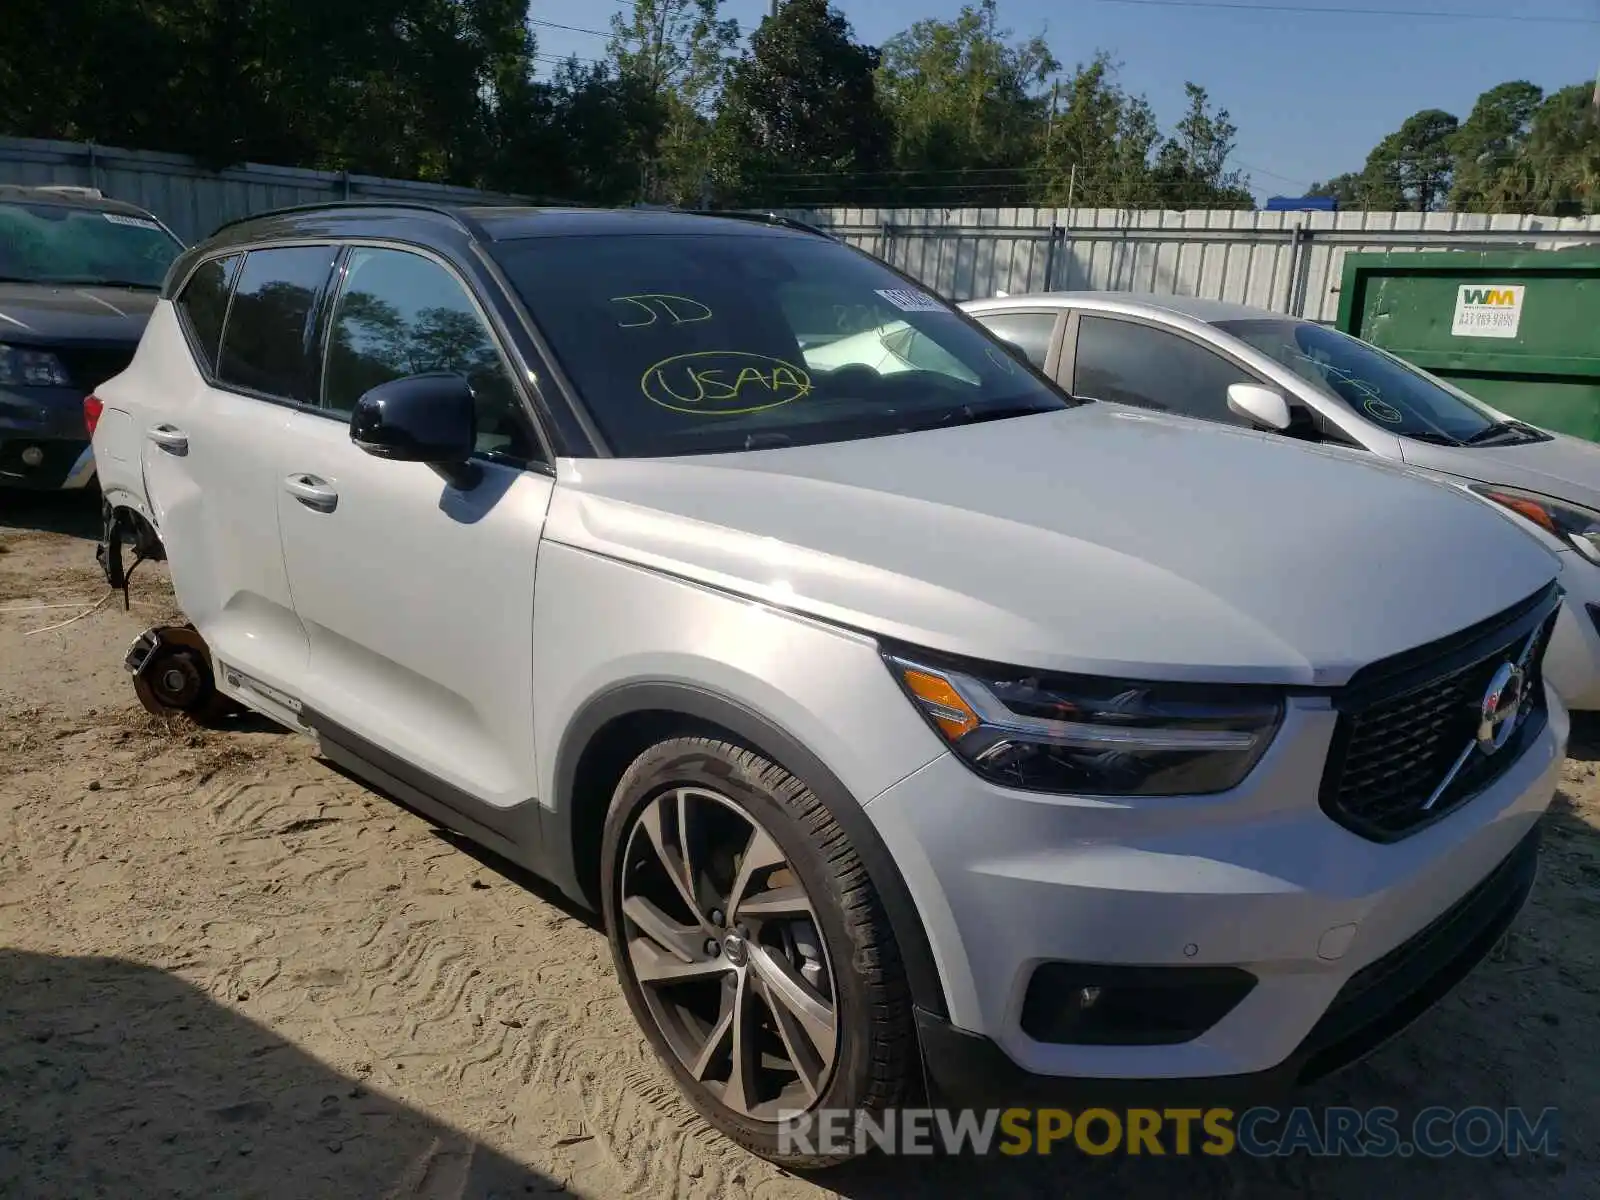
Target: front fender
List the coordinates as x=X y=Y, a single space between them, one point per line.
x=612 y=639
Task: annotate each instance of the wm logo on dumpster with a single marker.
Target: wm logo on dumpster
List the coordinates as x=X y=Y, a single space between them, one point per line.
x=1488 y=310
x=1491 y=295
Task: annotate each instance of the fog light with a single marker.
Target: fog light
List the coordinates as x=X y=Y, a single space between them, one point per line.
x=1087 y=1005
x=32 y=456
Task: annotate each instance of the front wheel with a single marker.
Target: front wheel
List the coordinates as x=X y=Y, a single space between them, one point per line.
x=752 y=947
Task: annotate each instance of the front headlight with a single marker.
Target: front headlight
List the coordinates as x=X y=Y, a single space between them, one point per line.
x=1579 y=527
x=1092 y=736
x=22 y=367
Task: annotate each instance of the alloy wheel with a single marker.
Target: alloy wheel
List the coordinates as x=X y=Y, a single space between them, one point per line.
x=723 y=941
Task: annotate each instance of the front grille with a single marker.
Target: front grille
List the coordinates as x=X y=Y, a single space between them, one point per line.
x=1403 y=724
x=90 y=366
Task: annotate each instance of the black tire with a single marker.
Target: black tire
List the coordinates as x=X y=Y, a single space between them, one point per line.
x=875 y=1064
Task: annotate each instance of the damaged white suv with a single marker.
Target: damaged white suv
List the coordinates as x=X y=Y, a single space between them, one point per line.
x=908 y=726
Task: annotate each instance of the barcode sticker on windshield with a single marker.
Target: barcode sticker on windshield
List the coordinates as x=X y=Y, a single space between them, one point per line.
x=136 y=222
x=907 y=300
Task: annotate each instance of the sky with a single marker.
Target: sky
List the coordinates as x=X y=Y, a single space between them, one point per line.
x=1311 y=93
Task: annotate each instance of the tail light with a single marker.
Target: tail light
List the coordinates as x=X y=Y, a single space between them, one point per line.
x=92 y=407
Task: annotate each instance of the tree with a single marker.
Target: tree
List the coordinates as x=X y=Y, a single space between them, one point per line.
x=580 y=136
x=1348 y=189
x=1559 y=168
x=967 y=105
x=674 y=56
x=800 y=118
x=394 y=87
x=1096 y=141
x=1191 y=168
x=1410 y=168
x=1489 y=142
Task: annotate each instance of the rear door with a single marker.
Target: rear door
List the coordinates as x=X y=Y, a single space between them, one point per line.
x=1036 y=333
x=1134 y=362
x=417 y=598
x=212 y=451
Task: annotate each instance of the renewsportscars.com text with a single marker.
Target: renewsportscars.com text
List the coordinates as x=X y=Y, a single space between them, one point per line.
x=1437 y=1132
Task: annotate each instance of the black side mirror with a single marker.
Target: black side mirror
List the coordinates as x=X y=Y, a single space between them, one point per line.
x=426 y=418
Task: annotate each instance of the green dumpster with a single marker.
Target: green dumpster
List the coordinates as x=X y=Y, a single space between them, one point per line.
x=1519 y=330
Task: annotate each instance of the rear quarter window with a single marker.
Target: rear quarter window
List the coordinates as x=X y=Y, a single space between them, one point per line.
x=203 y=305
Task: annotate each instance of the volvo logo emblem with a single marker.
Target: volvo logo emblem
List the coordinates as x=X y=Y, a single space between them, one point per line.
x=1500 y=707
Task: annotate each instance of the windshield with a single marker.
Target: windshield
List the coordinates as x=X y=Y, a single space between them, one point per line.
x=696 y=343
x=56 y=243
x=1376 y=385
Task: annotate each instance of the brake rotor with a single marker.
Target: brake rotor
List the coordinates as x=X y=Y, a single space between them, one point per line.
x=174 y=673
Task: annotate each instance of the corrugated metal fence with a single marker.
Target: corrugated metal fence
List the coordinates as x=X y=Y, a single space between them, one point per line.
x=192 y=200
x=1287 y=262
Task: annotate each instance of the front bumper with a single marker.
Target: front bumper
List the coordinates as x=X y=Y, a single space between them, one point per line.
x=1258 y=878
x=44 y=424
x=971 y=1071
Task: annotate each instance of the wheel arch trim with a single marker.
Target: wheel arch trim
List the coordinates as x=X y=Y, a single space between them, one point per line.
x=762 y=735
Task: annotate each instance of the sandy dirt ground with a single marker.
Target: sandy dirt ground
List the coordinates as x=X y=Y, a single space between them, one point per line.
x=228 y=970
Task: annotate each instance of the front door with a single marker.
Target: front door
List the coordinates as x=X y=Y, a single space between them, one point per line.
x=417 y=598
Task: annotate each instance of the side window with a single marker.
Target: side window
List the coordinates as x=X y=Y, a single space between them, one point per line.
x=264 y=347
x=1028 y=332
x=204 y=303
x=1135 y=364
x=401 y=314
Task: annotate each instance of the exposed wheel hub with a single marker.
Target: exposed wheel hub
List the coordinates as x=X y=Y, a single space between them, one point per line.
x=171 y=669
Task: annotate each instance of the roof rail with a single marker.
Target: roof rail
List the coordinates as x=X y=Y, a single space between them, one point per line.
x=68 y=189
x=765 y=216
x=448 y=211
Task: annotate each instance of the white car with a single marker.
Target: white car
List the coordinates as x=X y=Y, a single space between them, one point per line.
x=1249 y=367
x=903 y=724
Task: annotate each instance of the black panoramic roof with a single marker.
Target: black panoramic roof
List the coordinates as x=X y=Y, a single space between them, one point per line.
x=493 y=224
x=11 y=193
x=454 y=229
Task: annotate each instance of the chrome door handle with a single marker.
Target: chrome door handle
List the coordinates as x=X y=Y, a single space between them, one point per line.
x=170 y=438
x=314 y=493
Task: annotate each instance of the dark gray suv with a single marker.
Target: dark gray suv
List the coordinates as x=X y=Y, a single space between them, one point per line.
x=79 y=275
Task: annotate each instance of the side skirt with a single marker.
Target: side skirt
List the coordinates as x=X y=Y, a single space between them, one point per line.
x=513 y=833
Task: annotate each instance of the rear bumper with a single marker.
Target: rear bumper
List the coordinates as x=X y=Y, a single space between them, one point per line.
x=969 y=1070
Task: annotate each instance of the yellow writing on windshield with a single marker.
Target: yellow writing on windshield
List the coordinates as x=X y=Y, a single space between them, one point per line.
x=1382 y=410
x=649 y=307
x=723 y=382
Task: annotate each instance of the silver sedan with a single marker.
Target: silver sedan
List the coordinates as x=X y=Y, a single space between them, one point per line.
x=1249 y=367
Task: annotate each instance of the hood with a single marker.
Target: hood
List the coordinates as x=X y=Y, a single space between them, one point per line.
x=39 y=313
x=1563 y=468
x=1090 y=540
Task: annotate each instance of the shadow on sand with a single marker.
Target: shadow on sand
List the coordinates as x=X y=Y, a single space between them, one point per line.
x=122 y=1080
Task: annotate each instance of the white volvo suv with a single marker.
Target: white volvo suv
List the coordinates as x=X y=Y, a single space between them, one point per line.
x=911 y=728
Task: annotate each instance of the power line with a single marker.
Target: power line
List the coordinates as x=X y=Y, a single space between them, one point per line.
x=1299 y=183
x=1301 y=9
x=569 y=28
x=1434 y=14
x=558 y=59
